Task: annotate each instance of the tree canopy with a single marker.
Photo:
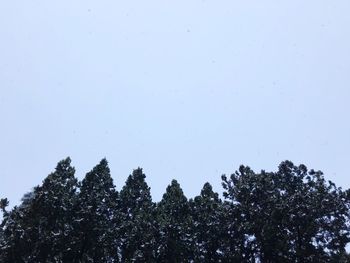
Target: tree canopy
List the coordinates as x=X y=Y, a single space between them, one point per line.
x=290 y=215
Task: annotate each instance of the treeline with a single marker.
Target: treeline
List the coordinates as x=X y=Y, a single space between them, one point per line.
x=292 y=215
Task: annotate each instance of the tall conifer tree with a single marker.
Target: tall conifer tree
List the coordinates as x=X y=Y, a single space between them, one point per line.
x=39 y=229
x=138 y=221
x=175 y=244
x=96 y=220
x=207 y=231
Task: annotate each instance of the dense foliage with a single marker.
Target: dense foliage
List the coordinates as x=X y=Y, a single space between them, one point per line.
x=291 y=215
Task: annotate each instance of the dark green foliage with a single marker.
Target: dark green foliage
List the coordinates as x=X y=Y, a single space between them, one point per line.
x=342 y=258
x=54 y=203
x=207 y=226
x=96 y=221
x=38 y=230
x=138 y=223
x=19 y=229
x=175 y=242
x=259 y=211
x=291 y=215
x=3 y=204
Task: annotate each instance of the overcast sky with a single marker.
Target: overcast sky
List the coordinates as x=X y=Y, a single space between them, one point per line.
x=185 y=89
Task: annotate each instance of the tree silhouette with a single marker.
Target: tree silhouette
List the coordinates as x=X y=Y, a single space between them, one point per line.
x=290 y=215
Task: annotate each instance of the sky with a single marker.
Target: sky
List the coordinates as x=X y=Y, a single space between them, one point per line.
x=184 y=89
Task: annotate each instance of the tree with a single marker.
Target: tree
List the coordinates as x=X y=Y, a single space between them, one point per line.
x=207 y=230
x=175 y=243
x=138 y=220
x=54 y=202
x=3 y=204
x=257 y=202
x=96 y=220
x=318 y=214
x=39 y=229
x=290 y=216
x=19 y=228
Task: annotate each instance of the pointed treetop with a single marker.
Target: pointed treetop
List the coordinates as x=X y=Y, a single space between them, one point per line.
x=63 y=173
x=174 y=192
x=136 y=178
x=207 y=191
x=136 y=193
x=104 y=162
x=207 y=187
x=102 y=166
x=64 y=164
x=63 y=168
x=100 y=175
x=138 y=173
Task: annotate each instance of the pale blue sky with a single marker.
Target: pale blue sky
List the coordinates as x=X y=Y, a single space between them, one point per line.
x=185 y=89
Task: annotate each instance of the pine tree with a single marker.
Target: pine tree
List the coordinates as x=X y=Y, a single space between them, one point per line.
x=96 y=220
x=175 y=243
x=289 y=216
x=318 y=214
x=138 y=223
x=258 y=201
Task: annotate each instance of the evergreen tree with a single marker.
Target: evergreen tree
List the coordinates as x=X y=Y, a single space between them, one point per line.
x=4 y=215
x=291 y=215
x=12 y=246
x=257 y=203
x=3 y=204
x=54 y=203
x=39 y=229
x=207 y=229
x=138 y=220
x=175 y=243
x=96 y=220
x=317 y=212
x=19 y=233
